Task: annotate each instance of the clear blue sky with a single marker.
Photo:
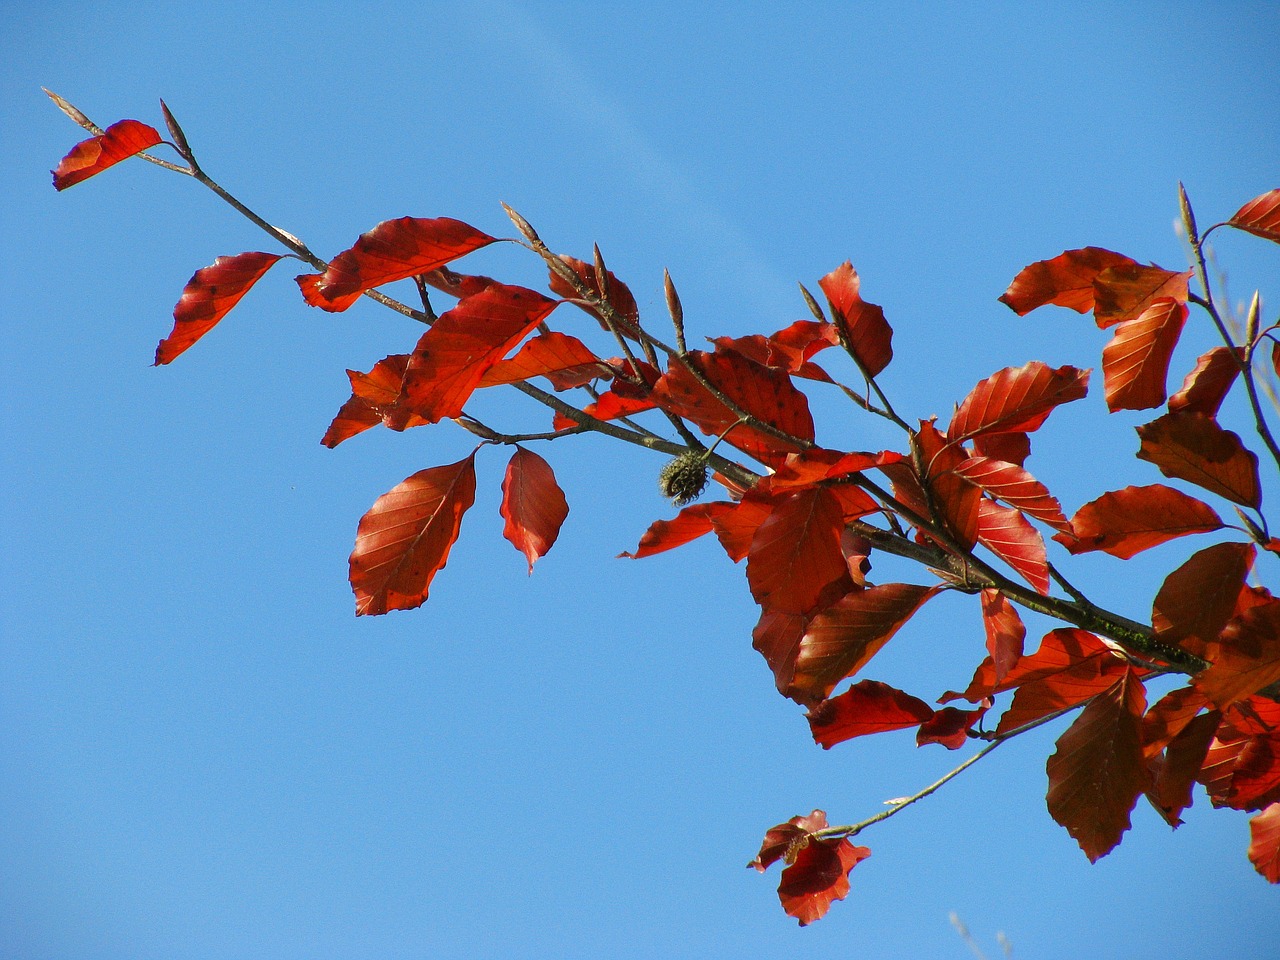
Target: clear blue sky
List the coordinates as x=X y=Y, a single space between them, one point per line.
x=205 y=755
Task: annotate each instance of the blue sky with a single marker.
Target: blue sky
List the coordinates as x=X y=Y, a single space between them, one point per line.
x=206 y=755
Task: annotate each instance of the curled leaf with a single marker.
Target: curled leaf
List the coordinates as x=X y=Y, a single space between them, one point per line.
x=120 y=141
x=209 y=296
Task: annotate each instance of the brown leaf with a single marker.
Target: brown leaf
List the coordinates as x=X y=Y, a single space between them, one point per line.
x=446 y=366
x=1007 y=534
x=817 y=868
x=1125 y=291
x=1194 y=448
x=1010 y=447
x=1198 y=598
x=862 y=325
x=1135 y=364
x=533 y=505
x=840 y=640
x=1206 y=386
x=1066 y=280
x=1261 y=217
x=393 y=250
x=867 y=707
x=1264 y=840
x=120 y=141
x=208 y=296
x=405 y=538
x=1128 y=521
x=1016 y=400
x=795 y=559
x=1097 y=772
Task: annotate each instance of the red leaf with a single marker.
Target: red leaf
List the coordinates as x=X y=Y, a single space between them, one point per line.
x=1194 y=448
x=1007 y=534
x=458 y=285
x=1169 y=717
x=394 y=250
x=818 y=877
x=1174 y=773
x=1005 y=632
x=309 y=284
x=564 y=360
x=1246 y=657
x=793 y=346
x=618 y=293
x=1010 y=447
x=950 y=727
x=1097 y=773
x=1261 y=217
x=1066 y=280
x=373 y=397
x=1135 y=363
x=451 y=357
x=765 y=393
x=1207 y=385
x=1016 y=487
x=784 y=841
x=1197 y=599
x=862 y=324
x=405 y=538
x=777 y=638
x=1126 y=291
x=953 y=497
x=1264 y=837
x=610 y=406
x=1016 y=400
x=840 y=640
x=533 y=505
x=120 y=141
x=737 y=528
x=208 y=296
x=867 y=707
x=689 y=524
x=1125 y=522
x=795 y=558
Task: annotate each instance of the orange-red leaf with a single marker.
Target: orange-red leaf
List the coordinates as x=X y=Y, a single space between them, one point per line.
x=1016 y=487
x=1196 y=449
x=736 y=528
x=1006 y=533
x=1066 y=280
x=867 y=707
x=393 y=250
x=1174 y=772
x=1005 y=631
x=1206 y=386
x=818 y=877
x=1128 y=521
x=1264 y=838
x=309 y=284
x=120 y=141
x=839 y=641
x=373 y=397
x=1135 y=364
x=1016 y=399
x=777 y=638
x=1246 y=656
x=451 y=357
x=533 y=505
x=689 y=524
x=405 y=538
x=795 y=559
x=1124 y=292
x=208 y=296
x=1168 y=717
x=954 y=498
x=1196 y=600
x=861 y=324
x=764 y=392
x=564 y=360
x=1097 y=772
x=1261 y=217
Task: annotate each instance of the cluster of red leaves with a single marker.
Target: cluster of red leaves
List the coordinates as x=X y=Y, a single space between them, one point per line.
x=960 y=488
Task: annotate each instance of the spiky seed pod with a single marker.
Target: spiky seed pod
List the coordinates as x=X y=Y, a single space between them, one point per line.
x=684 y=478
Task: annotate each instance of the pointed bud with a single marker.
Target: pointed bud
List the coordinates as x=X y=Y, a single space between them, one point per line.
x=812 y=305
x=602 y=274
x=1251 y=319
x=73 y=113
x=1188 y=218
x=523 y=226
x=175 y=131
x=675 y=309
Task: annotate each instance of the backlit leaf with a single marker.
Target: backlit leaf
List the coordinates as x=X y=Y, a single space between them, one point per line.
x=451 y=357
x=867 y=707
x=1206 y=386
x=795 y=558
x=1196 y=449
x=394 y=250
x=1196 y=600
x=1261 y=217
x=208 y=296
x=1005 y=631
x=862 y=324
x=1173 y=773
x=120 y=141
x=1016 y=400
x=1135 y=364
x=1016 y=487
x=533 y=505
x=1097 y=772
x=777 y=638
x=689 y=524
x=1246 y=656
x=405 y=538
x=1066 y=280
x=1128 y=521
x=955 y=500
x=564 y=360
x=950 y=726
x=841 y=639
x=1167 y=718
x=373 y=394
x=1006 y=533
x=1126 y=291
x=817 y=868
x=1010 y=447
x=1264 y=840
